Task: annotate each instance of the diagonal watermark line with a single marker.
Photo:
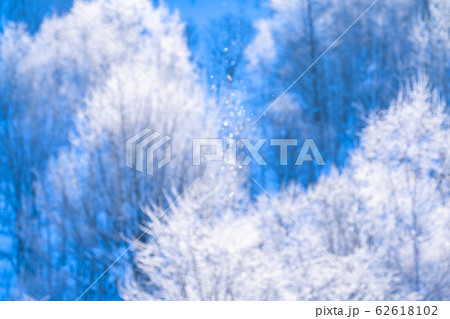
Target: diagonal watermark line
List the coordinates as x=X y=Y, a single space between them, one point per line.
x=137 y=64
x=315 y=61
x=315 y=241
x=137 y=239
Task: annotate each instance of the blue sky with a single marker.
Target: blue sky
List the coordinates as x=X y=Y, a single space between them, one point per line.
x=200 y=12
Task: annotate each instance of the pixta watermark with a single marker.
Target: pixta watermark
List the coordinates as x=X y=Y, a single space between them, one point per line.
x=216 y=149
x=144 y=145
x=141 y=148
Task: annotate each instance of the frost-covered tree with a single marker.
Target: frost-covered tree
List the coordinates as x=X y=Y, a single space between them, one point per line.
x=403 y=164
x=358 y=74
x=31 y=12
x=376 y=229
x=431 y=45
x=390 y=205
x=70 y=196
x=108 y=195
x=204 y=248
x=213 y=245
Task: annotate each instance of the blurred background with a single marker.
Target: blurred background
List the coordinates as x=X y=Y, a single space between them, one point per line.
x=376 y=105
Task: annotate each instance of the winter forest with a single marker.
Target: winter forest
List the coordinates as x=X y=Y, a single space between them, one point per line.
x=367 y=81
